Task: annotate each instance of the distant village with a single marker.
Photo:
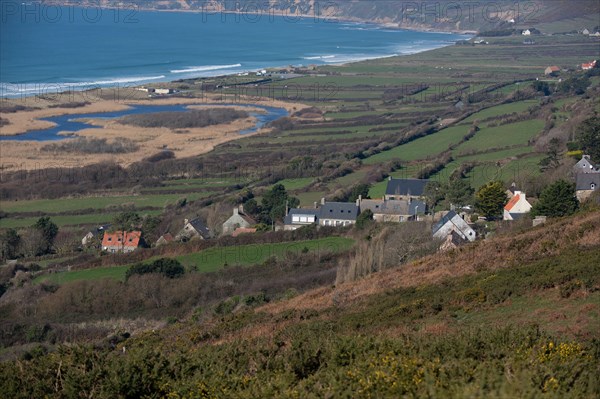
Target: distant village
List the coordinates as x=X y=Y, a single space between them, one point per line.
x=404 y=202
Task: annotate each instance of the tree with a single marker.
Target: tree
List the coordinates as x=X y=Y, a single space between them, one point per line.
x=252 y=207
x=359 y=190
x=490 y=199
x=552 y=161
x=557 y=199
x=48 y=231
x=9 y=244
x=433 y=194
x=364 y=218
x=588 y=135
x=126 y=221
x=459 y=192
x=274 y=202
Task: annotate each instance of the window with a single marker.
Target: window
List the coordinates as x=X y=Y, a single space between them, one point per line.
x=303 y=219
x=109 y=238
x=295 y=218
x=593 y=186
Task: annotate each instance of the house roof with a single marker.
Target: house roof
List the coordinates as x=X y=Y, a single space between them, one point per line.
x=167 y=237
x=447 y=217
x=339 y=210
x=513 y=201
x=122 y=238
x=200 y=227
x=414 y=187
x=554 y=68
x=585 y=181
x=302 y=212
x=393 y=207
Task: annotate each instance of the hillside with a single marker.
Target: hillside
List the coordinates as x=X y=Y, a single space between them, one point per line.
x=443 y=15
x=516 y=315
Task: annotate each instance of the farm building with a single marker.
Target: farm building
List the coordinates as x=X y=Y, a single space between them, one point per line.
x=393 y=210
x=452 y=222
x=193 y=229
x=164 y=239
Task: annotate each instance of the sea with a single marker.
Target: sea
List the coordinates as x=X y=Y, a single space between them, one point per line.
x=51 y=48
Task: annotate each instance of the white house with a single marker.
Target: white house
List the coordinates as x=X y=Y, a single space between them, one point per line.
x=526 y=32
x=517 y=206
x=450 y=223
x=298 y=217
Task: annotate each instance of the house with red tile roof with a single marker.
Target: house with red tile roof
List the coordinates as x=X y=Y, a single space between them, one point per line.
x=551 y=70
x=517 y=206
x=121 y=241
x=589 y=65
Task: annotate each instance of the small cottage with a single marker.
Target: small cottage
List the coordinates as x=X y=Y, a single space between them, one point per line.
x=516 y=207
x=452 y=222
x=552 y=70
x=193 y=229
x=237 y=219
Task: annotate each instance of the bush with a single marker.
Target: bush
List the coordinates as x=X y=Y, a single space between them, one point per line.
x=85 y=145
x=185 y=119
x=168 y=267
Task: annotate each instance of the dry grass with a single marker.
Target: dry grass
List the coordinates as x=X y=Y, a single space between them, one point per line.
x=496 y=253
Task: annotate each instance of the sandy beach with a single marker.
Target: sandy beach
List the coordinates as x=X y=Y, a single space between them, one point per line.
x=28 y=155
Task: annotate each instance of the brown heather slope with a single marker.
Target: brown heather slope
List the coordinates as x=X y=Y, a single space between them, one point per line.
x=581 y=231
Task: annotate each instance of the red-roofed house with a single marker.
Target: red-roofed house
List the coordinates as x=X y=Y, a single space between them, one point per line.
x=517 y=206
x=121 y=241
x=589 y=65
x=551 y=70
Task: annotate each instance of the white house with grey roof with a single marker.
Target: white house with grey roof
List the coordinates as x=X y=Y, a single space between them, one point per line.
x=338 y=213
x=193 y=229
x=405 y=189
x=236 y=220
x=453 y=223
x=298 y=217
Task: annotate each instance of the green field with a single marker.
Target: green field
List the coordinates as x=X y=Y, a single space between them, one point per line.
x=74 y=204
x=68 y=220
x=518 y=107
x=422 y=148
x=214 y=258
x=501 y=136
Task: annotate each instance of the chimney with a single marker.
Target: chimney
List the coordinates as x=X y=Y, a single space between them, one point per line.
x=185 y=221
x=389 y=178
x=287 y=208
x=241 y=208
x=315 y=204
x=358 y=200
x=323 y=201
x=236 y=211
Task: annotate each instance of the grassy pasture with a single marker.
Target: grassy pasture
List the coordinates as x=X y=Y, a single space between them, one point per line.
x=215 y=258
x=502 y=136
x=74 y=204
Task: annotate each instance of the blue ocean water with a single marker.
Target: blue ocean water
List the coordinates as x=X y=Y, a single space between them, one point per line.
x=70 y=47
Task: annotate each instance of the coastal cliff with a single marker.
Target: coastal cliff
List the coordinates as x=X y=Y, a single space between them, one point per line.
x=442 y=15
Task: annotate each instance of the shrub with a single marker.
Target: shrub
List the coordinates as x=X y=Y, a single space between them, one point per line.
x=168 y=267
